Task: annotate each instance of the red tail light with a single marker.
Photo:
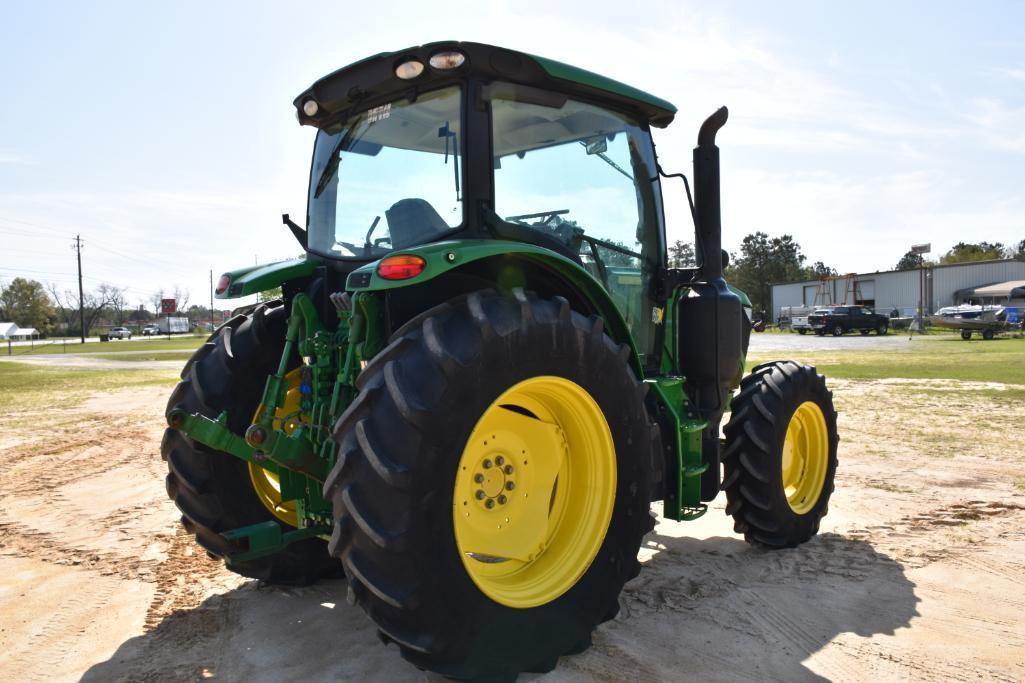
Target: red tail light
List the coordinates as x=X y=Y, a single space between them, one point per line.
x=401 y=267
x=222 y=284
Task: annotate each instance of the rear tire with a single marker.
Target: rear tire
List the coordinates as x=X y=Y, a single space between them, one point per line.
x=987 y=335
x=756 y=463
x=802 y=331
x=212 y=488
x=838 y=330
x=402 y=445
x=966 y=334
x=882 y=329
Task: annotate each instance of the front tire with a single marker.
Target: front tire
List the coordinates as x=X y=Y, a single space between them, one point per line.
x=966 y=335
x=214 y=490
x=413 y=459
x=780 y=456
x=802 y=331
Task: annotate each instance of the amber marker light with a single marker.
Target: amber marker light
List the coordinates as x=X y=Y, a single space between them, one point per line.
x=401 y=267
x=222 y=284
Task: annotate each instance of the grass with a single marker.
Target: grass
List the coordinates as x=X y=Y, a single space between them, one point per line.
x=25 y=386
x=152 y=344
x=1000 y=360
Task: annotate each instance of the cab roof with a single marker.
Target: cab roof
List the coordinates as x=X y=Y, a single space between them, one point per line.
x=372 y=80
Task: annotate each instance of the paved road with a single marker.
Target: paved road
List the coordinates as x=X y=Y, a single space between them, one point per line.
x=787 y=341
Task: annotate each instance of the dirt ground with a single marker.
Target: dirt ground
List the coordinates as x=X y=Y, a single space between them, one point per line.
x=919 y=572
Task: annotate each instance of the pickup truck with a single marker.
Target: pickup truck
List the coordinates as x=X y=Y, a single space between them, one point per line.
x=842 y=319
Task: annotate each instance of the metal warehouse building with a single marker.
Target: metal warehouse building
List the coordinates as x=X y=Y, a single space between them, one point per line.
x=942 y=285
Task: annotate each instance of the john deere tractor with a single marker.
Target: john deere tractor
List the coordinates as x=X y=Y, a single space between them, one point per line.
x=484 y=371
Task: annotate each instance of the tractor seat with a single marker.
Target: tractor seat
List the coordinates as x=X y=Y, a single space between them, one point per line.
x=412 y=222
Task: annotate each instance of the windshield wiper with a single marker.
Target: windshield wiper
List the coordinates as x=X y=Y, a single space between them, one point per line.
x=335 y=158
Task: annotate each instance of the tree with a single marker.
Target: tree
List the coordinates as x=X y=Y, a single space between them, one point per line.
x=763 y=261
x=181 y=296
x=25 y=303
x=93 y=303
x=966 y=252
x=116 y=298
x=909 y=261
x=681 y=255
x=821 y=270
x=1017 y=251
x=155 y=298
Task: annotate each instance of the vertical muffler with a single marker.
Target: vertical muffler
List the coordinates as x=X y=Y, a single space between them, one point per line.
x=709 y=340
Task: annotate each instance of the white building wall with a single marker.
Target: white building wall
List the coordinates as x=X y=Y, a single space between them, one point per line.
x=899 y=289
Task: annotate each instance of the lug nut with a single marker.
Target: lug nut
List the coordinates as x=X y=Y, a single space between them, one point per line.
x=509 y=486
x=502 y=500
x=499 y=460
x=478 y=478
x=480 y=495
x=489 y=503
x=487 y=464
x=508 y=469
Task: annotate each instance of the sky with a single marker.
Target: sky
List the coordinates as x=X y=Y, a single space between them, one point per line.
x=164 y=134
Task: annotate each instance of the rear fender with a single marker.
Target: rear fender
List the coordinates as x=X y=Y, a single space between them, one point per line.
x=505 y=265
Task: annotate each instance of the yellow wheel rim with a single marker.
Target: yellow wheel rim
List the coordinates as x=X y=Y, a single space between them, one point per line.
x=534 y=492
x=266 y=483
x=805 y=457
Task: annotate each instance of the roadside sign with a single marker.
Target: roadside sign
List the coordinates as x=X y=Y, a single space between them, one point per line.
x=921 y=248
x=168 y=306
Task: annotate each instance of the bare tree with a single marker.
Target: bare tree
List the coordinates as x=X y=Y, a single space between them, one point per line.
x=93 y=303
x=182 y=297
x=115 y=296
x=155 y=299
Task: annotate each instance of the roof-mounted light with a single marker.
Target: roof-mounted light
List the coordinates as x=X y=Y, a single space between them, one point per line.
x=310 y=107
x=409 y=69
x=449 y=59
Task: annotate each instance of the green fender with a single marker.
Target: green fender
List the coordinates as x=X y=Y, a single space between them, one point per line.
x=442 y=257
x=256 y=279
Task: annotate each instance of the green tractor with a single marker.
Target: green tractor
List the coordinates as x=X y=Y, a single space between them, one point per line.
x=484 y=371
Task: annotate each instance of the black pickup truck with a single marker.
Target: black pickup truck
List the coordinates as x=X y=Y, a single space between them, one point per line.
x=841 y=319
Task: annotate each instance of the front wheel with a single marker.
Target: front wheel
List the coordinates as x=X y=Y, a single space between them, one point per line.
x=987 y=334
x=780 y=456
x=966 y=334
x=491 y=488
x=802 y=331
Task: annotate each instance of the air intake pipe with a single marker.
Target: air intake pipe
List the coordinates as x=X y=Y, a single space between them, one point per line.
x=706 y=197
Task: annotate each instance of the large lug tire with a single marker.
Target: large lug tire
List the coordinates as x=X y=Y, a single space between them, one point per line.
x=404 y=444
x=213 y=489
x=780 y=456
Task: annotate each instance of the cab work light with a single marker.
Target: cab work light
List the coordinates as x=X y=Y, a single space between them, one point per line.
x=401 y=267
x=409 y=70
x=447 y=60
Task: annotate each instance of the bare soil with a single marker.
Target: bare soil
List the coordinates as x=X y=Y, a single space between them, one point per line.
x=919 y=572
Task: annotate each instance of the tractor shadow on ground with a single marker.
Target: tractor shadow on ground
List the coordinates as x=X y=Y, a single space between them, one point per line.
x=712 y=609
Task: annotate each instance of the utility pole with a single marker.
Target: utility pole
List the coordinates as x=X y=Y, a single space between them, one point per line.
x=81 y=295
x=211 y=301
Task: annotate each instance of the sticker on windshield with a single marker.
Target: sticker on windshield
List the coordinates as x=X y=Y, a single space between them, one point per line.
x=379 y=113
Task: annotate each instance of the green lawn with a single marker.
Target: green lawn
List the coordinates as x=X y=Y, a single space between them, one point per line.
x=1000 y=360
x=25 y=386
x=188 y=342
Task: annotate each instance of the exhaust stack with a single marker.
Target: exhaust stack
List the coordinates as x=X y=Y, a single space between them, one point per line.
x=706 y=197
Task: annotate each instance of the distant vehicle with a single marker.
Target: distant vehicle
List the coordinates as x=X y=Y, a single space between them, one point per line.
x=795 y=318
x=119 y=333
x=986 y=320
x=150 y=330
x=842 y=319
x=173 y=325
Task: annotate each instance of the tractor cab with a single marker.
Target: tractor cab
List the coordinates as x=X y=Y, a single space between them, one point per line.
x=455 y=141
